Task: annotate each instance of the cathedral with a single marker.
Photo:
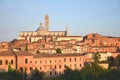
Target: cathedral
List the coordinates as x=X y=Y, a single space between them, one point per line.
x=41 y=32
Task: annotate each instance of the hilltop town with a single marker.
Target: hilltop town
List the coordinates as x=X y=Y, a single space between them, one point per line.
x=52 y=51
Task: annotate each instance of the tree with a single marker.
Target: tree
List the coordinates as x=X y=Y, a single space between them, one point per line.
x=25 y=75
x=117 y=60
x=13 y=74
x=58 y=50
x=111 y=61
x=10 y=68
x=91 y=72
x=37 y=51
x=110 y=74
x=37 y=75
x=14 y=40
x=96 y=57
x=76 y=75
x=59 y=77
x=26 y=48
x=3 y=75
x=68 y=74
x=94 y=72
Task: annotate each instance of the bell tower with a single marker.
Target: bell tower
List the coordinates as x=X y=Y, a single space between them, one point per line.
x=47 y=22
x=67 y=33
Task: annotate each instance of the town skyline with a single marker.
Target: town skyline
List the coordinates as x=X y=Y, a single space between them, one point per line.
x=47 y=39
x=82 y=17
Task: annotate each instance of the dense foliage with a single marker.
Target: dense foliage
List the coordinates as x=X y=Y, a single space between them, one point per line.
x=36 y=75
x=91 y=73
x=58 y=50
x=13 y=74
x=94 y=72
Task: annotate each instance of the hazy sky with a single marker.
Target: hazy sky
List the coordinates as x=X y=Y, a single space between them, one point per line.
x=81 y=16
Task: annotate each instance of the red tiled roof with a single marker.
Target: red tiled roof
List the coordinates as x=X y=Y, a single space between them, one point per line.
x=69 y=36
x=23 y=53
x=55 y=55
x=7 y=53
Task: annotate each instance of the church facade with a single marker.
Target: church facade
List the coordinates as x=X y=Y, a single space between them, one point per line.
x=41 y=32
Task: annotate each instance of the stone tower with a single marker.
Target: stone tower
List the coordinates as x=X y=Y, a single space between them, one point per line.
x=67 y=33
x=47 y=22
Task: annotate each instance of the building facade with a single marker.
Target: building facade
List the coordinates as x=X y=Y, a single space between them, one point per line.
x=6 y=59
x=51 y=64
x=41 y=32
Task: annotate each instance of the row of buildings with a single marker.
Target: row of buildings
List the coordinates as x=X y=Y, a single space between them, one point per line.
x=37 y=50
x=72 y=44
x=45 y=41
x=51 y=64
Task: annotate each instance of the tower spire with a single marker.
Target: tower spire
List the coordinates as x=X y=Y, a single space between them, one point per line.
x=67 y=31
x=47 y=22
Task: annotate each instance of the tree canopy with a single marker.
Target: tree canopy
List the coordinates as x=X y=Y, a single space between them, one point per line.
x=58 y=50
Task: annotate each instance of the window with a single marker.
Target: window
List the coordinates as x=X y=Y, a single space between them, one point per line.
x=11 y=61
x=64 y=59
x=80 y=59
x=75 y=59
x=35 y=62
x=0 y=62
x=40 y=68
x=31 y=68
x=55 y=61
x=80 y=65
x=6 y=62
x=59 y=66
x=35 y=68
x=26 y=60
x=50 y=66
x=50 y=73
x=50 y=61
x=21 y=69
x=70 y=59
x=64 y=66
x=40 y=61
x=44 y=67
x=75 y=65
x=26 y=69
x=55 y=67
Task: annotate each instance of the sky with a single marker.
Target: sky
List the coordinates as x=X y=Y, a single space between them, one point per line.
x=81 y=16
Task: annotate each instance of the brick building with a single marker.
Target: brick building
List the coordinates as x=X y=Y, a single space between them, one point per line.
x=51 y=64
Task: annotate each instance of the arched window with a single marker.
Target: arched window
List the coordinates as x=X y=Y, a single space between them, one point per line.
x=0 y=62
x=11 y=61
x=50 y=73
x=26 y=60
x=6 y=62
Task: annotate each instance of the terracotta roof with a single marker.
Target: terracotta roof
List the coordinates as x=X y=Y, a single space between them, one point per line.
x=7 y=53
x=56 y=55
x=103 y=46
x=100 y=52
x=23 y=53
x=69 y=36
